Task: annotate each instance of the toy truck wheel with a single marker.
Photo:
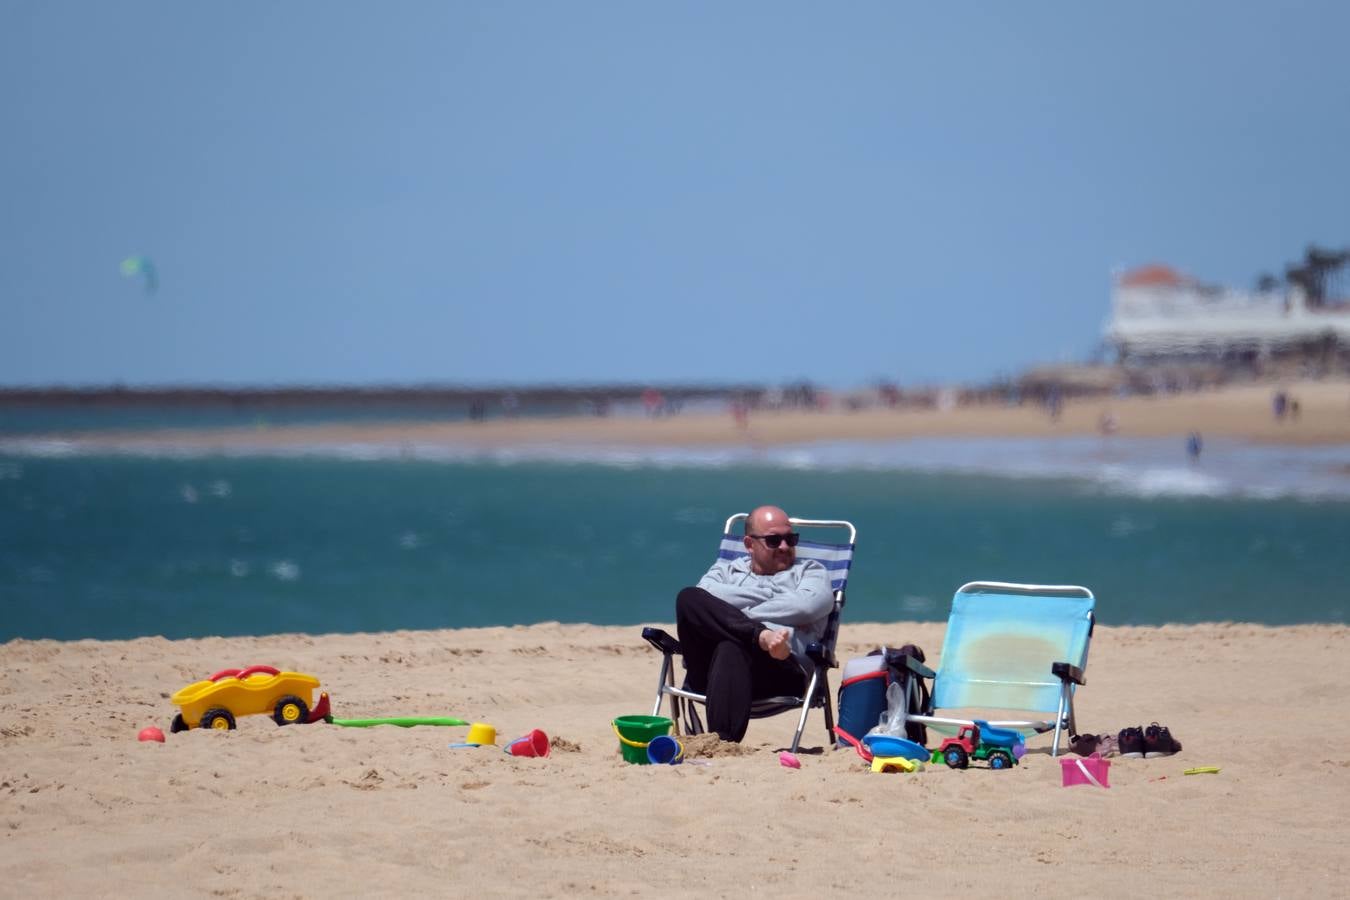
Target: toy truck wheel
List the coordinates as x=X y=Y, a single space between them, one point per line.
x=290 y=710
x=218 y=718
x=1000 y=759
x=177 y=724
x=956 y=758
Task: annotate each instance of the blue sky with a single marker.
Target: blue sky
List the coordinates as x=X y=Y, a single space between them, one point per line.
x=577 y=192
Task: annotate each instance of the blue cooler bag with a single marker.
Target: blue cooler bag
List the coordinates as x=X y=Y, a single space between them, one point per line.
x=862 y=695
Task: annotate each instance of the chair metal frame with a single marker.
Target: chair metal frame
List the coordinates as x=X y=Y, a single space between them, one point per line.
x=821 y=653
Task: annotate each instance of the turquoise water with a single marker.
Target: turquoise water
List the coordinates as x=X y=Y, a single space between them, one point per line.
x=114 y=546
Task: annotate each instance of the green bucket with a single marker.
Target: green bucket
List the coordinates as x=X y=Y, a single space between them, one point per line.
x=636 y=732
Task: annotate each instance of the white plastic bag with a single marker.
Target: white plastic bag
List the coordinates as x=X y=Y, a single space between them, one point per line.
x=892 y=721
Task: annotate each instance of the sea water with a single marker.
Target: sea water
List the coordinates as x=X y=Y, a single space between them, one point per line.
x=367 y=537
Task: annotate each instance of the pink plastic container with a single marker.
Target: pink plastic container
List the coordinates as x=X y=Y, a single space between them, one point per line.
x=1085 y=770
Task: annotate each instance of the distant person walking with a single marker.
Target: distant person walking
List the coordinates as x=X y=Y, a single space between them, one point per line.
x=740 y=412
x=652 y=402
x=1194 y=444
x=1054 y=401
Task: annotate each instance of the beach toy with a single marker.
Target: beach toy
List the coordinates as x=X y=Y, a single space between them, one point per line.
x=636 y=732
x=217 y=701
x=1198 y=770
x=400 y=721
x=894 y=764
x=789 y=760
x=664 y=750
x=533 y=744
x=150 y=733
x=857 y=744
x=1087 y=770
x=982 y=741
x=480 y=733
x=890 y=746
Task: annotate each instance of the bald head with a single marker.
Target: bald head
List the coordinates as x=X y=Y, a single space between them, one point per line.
x=764 y=518
x=767 y=521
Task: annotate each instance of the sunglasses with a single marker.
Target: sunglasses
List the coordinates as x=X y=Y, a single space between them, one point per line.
x=774 y=541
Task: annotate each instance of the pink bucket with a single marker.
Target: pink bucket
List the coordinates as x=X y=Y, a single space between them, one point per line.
x=1086 y=770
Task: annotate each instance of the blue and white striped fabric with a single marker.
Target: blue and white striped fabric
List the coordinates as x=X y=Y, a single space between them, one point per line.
x=835 y=557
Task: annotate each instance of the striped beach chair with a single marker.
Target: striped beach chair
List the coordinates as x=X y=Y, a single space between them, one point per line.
x=837 y=558
x=1019 y=647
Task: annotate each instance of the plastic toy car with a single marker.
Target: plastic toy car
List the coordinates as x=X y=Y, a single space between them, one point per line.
x=981 y=741
x=217 y=701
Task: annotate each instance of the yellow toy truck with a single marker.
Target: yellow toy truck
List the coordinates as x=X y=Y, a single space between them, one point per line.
x=218 y=700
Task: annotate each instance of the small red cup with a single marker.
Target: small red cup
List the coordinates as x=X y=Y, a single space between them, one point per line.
x=533 y=744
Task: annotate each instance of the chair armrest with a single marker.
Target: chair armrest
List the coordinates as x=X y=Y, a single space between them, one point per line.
x=662 y=641
x=820 y=655
x=1065 y=672
x=898 y=660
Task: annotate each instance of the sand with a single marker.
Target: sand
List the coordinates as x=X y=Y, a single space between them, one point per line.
x=1242 y=412
x=323 y=811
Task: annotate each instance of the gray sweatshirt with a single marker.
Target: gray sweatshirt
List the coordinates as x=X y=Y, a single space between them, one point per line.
x=798 y=600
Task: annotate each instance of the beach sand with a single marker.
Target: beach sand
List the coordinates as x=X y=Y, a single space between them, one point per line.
x=1242 y=412
x=324 y=811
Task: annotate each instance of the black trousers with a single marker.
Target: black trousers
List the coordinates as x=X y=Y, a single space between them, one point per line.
x=723 y=660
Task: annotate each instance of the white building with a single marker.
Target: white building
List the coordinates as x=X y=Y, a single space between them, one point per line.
x=1157 y=312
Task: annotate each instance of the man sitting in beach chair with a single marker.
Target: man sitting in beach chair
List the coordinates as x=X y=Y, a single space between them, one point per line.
x=752 y=628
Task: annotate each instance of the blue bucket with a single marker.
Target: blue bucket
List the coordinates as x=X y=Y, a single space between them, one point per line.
x=664 y=750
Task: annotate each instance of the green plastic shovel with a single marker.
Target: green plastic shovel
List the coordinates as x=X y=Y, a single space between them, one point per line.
x=400 y=721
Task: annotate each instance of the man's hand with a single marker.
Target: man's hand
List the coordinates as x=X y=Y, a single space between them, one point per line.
x=775 y=643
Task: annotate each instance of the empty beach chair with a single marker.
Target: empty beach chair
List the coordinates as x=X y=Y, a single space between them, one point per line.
x=837 y=558
x=1019 y=647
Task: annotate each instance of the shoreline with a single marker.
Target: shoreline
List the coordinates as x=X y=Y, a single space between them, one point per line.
x=855 y=644
x=1241 y=413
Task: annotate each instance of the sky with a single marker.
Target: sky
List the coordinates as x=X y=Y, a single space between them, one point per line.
x=597 y=192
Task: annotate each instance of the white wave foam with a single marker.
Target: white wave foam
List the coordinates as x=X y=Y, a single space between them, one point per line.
x=39 y=447
x=285 y=570
x=1140 y=467
x=1164 y=482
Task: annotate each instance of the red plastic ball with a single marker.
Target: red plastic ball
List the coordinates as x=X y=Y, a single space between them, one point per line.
x=150 y=733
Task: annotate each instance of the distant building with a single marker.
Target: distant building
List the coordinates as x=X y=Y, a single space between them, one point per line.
x=1159 y=314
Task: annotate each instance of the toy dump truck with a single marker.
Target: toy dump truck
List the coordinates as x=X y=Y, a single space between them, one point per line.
x=216 y=701
x=982 y=741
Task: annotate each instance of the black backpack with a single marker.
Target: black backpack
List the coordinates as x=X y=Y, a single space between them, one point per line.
x=919 y=697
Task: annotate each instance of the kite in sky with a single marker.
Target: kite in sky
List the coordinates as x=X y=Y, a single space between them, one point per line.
x=141 y=266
